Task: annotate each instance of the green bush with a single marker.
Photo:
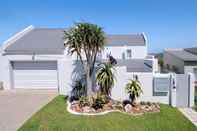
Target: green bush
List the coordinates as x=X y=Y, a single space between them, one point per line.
x=99 y=101
x=78 y=90
x=83 y=101
x=133 y=88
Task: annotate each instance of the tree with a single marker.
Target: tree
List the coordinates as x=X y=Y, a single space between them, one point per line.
x=134 y=90
x=105 y=78
x=86 y=40
x=161 y=62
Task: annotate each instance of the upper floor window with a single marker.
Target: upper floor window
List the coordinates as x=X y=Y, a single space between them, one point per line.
x=129 y=53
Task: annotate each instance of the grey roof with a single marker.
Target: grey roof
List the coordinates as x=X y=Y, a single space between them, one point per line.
x=136 y=65
x=183 y=54
x=129 y=40
x=192 y=50
x=51 y=41
x=38 y=41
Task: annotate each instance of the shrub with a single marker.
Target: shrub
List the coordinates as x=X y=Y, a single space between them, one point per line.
x=105 y=78
x=134 y=90
x=78 y=90
x=142 y=103
x=83 y=101
x=99 y=101
x=149 y=103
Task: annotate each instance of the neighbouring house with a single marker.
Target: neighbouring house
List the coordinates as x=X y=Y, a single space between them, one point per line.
x=181 y=60
x=36 y=58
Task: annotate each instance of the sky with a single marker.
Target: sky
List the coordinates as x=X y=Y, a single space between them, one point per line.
x=167 y=23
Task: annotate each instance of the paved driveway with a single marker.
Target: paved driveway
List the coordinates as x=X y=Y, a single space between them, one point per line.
x=16 y=106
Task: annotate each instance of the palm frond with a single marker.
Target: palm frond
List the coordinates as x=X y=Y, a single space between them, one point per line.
x=133 y=88
x=105 y=78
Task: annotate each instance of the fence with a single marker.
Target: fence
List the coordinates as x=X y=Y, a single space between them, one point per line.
x=147 y=82
x=174 y=89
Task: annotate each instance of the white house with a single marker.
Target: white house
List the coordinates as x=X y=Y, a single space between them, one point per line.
x=36 y=58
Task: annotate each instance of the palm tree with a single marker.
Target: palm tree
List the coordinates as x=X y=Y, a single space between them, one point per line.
x=134 y=90
x=86 y=40
x=105 y=78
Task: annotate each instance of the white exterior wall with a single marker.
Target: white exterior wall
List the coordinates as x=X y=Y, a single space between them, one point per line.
x=5 y=72
x=190 y=69
x=155 y=65
x=65 y=70
x=146 y=80
x=192 y=90
x=137 y=52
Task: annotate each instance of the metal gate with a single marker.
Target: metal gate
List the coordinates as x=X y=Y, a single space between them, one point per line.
x=182 y=90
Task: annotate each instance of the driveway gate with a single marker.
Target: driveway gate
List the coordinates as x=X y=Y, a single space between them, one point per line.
x=182 y=90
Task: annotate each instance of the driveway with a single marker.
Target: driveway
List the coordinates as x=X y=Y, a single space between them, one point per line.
x=17 y=106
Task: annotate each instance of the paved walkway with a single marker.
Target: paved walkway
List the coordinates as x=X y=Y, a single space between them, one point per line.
x=16 y=106
x=190 y=114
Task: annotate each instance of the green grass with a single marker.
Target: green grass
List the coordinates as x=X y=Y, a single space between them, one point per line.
x=54 y=117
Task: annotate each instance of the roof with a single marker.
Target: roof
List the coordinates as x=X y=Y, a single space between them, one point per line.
x=129 y=40
x=182 y=54
x=192 y=50
x=136 y=65
x=38 y=41
x=51 y=41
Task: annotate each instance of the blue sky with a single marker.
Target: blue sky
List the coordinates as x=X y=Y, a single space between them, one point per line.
x=167 y=23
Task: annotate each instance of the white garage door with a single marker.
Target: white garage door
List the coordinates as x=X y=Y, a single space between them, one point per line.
x=35 y=75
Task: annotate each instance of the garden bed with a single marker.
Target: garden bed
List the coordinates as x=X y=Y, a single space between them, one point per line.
x=75 y=107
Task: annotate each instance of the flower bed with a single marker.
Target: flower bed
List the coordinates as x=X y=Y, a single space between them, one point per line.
x=137 y=109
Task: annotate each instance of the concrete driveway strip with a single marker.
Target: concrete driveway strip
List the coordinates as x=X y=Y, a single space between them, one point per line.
x=17 y=106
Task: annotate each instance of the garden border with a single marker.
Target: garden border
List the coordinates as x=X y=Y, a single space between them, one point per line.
x=100 y=113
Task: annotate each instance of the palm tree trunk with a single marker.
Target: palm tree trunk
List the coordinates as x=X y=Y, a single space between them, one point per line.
x=89 y=81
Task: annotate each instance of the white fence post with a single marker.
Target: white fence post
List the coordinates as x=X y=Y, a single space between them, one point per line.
x=172 y=89
x=191 y=89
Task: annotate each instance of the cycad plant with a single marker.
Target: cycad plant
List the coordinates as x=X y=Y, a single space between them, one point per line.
x=105 y=78
x=134 y=90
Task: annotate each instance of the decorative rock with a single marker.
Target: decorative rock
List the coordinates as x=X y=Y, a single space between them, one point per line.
x=128 y=108
x=76 y=108
x=107 y=107
x=110 y=103
x=74 y=102
x=86 y=109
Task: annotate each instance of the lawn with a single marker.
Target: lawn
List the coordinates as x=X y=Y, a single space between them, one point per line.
x=54 y=117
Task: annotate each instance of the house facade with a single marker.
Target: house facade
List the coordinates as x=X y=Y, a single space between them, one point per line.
x=36 y=58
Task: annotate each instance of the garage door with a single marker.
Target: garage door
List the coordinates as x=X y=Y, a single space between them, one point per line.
x=35 y=75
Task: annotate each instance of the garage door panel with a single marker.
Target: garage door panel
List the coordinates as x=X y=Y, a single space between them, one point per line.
x=35 y=76
x=36 y=65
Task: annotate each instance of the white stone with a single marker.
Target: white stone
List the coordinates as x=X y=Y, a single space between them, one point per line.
x=128 y=108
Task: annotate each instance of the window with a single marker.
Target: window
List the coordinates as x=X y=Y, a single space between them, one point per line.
x=129 y=53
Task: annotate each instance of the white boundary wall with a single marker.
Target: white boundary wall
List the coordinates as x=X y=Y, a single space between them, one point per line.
x=146 y=80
